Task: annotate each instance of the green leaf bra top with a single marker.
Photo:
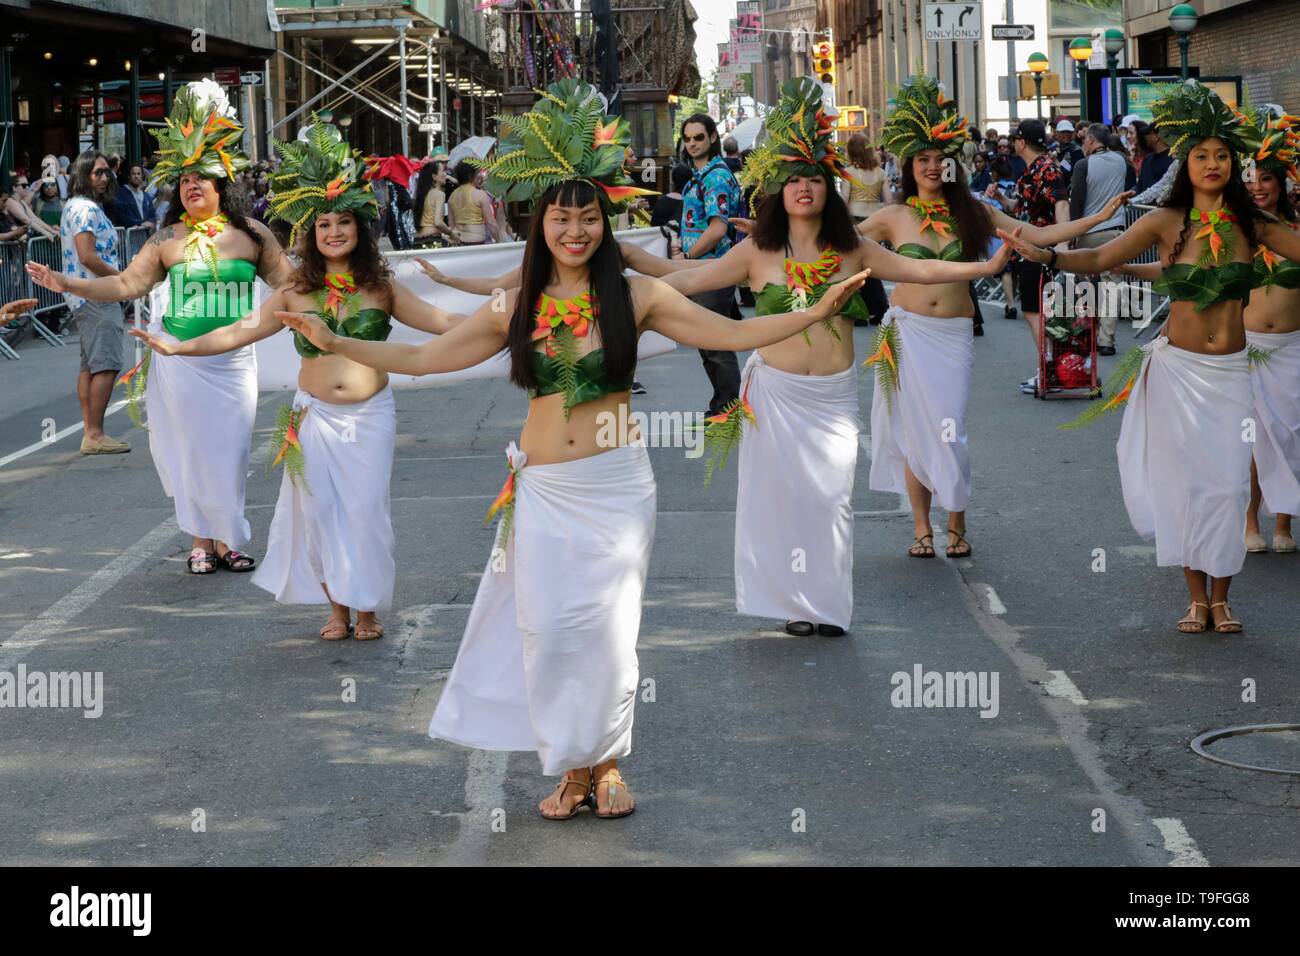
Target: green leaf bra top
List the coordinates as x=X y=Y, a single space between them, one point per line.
x=337 y=309
x=589 y=379
x=914 y=250
x=201 y=302
x=1273 y=270
x=559 y=367
x=1185 y=282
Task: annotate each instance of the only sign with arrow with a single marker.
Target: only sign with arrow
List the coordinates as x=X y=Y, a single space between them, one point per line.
x=953 y=21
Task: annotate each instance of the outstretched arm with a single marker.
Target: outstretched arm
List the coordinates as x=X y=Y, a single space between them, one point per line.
x=731 y=269
x=892 y=267
x=470 y=342
x=1062 y=231
x=1128 y=245
x=144 y=272
x=410 y=309
x=473 y=286
x=876 y=226
x=670 y=313
x=649 y=264
x=1147 y=271
x=252 y=328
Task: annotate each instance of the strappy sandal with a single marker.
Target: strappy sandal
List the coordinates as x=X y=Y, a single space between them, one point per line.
x=236 y=561
x=952 y=552
x=368 y=632
x=1189 y=624
x=586 y=797
x=335 y=630
x=206 y=561
x=611 y=781
x=1228 y=625
x=926 y=550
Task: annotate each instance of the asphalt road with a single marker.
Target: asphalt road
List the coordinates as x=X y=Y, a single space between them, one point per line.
x=223 y=707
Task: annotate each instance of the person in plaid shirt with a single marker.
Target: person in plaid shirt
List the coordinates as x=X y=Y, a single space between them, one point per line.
x=1042 y=198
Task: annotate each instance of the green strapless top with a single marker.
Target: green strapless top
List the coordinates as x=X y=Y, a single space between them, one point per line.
x=775 y=298
x=1185 y=282
x=590 y=380
x=914 y=250
x=368 y=325
x=200 y=303
x=1285 y=274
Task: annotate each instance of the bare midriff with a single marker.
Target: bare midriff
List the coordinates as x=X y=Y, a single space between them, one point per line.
x=593 y=427
x=1273 y=309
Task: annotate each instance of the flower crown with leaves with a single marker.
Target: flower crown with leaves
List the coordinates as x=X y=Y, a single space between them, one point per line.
x=201 y=136
x=1189 y=113
x=1278 y=143
x=923 y=119
x=565 y=136
x=799 y=140
x=319 y=175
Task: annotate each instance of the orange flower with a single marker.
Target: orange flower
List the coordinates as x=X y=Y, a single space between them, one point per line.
x=884 y=353
x=290 y=437
x=334 y=188
x=503 y=498
x=620 y=193
x=131 y=374
x=605 y=134
x=1120 y=397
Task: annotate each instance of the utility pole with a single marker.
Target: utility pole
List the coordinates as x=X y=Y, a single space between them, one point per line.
x=1013 y=93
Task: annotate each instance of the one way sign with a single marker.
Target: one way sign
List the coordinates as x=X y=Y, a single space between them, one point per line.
x=953 y=21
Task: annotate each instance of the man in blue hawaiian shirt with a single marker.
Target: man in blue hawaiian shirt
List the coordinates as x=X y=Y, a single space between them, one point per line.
x=89 y=251
x=708 y=199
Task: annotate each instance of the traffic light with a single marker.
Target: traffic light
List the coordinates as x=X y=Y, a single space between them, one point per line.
x=852 y=119
x=824 y=61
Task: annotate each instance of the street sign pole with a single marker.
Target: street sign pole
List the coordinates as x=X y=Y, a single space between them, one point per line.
x=1012 y=101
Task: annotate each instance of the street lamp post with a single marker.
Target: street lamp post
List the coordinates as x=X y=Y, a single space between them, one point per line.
x=1038 y=66
x=1080 y=52
x=1114 y=44
x=1182 y=20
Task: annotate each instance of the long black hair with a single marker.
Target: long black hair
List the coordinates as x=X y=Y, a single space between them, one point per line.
x=1235 y=197
x=974 y=224
x=81 y=183
x=229 y=201
x=772 y=231
x=611 y=294
x=424 y=186
x=710 y=128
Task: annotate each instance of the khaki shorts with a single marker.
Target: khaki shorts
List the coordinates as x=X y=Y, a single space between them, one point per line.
x=102 y=330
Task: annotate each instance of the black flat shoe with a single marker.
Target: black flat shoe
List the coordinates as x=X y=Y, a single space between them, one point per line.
x=830 y=630
x=1105 y=350
x=979 y=330
x=799 y=628
x=1008 y=312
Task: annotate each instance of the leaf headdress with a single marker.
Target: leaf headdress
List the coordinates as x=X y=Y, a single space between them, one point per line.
x=321 y=174
x=1190 y=113
x=923 y=119
x=1278 y=143
x=565 y=136
x=798 y=140
x=200 y=135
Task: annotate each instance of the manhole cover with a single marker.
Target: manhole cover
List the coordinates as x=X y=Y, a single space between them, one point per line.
x=1268 y=748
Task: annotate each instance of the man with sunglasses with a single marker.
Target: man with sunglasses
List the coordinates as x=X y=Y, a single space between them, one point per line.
x=90 y=250
x=711 y=195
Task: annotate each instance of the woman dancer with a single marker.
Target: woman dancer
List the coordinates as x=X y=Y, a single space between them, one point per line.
x=918 y=434
x=1183 y=457
x=200 y=408
x=794 y=518
x=331 y=538
x=548 y=661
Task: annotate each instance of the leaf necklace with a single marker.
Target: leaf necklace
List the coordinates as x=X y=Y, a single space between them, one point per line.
x=801 y=278
x=934 y=215
x=1216 y=230
x=201 y=240
x=560 y=323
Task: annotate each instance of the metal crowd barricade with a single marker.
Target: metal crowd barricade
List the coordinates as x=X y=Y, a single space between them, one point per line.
x=130 y=244
x=48 y=251
x=12 y=284
x=1157 y=305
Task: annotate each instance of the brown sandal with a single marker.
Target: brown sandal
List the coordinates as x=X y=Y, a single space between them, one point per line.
x=335 y=630
x=920 y=549
x=1228 y=625
x=567 y=781
x=952 y=549
x=368 y=632
x=611 y=781
x=1189 y=624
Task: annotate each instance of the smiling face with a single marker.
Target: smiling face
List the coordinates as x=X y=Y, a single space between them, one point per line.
x=804 y=196
x=573 y=232
x=199 y=196
x=927 y=167
x=1209 y=165
x=1265 y=188
x=336 y=234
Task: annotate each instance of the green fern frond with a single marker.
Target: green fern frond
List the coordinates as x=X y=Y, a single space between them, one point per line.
x=887 y=373
x=1117 y=386
x=135 y=391
x=1258 y=356
x=565 y=346
x=294 y=465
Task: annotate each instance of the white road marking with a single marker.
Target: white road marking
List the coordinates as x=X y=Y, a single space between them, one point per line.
x=62 y=613
x=58 y=436
x=995 y=603
x=485 y=792
x=1180 y=843
x=1061 y=686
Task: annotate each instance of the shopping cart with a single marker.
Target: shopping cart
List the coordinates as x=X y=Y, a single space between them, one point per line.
x=1067 y=356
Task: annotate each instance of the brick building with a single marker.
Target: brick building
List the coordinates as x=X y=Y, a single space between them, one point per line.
x=1254 y=39
x=787 y=45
